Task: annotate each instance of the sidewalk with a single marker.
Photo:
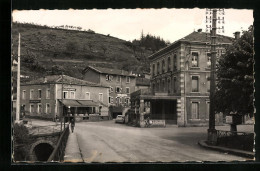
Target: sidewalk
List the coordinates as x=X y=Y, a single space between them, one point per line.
x=72 y=151
x=242 y=153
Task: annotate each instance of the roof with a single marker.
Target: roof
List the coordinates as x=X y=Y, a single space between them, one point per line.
x=195 y=37
x=110 y=71
x=142 y=81
x=79 y=103
x=61 y=79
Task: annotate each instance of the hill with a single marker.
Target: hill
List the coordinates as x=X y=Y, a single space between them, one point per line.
x=46 y=51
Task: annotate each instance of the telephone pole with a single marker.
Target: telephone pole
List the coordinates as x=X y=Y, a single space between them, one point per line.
x=212 y=132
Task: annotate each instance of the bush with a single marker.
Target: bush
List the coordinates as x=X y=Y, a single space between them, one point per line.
x=20 y=140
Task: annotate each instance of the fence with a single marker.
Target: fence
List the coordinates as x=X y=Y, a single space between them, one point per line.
x=236 y=140
x=58 y=152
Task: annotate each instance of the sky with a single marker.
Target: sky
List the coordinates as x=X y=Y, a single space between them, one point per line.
x=127 y=24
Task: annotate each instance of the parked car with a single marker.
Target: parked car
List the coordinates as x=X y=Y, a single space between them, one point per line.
x=120 y=119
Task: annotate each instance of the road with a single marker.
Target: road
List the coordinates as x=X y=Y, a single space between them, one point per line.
x=109 y=142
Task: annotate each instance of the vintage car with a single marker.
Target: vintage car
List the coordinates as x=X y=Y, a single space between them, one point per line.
x=120 y=119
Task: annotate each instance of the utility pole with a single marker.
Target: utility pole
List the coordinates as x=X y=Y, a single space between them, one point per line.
x=212 y=132
x=18 y=85
x=61 y=113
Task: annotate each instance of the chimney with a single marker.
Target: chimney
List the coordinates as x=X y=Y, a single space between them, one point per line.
x=199 y=30
x=237 y=35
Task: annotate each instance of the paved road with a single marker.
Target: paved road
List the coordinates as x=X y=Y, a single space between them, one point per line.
x=109 y=142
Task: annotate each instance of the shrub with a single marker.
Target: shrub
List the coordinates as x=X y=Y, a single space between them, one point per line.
x=20 y=139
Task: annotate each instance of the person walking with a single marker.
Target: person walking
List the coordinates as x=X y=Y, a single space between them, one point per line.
x=72 y=124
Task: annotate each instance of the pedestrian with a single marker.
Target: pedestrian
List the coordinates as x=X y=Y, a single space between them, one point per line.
x=72 y=124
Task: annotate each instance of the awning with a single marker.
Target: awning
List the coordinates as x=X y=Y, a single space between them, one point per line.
x=79 y=103
x=88 y=103
x=71 y=103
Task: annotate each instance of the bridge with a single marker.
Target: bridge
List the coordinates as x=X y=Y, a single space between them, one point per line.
x=47 y=141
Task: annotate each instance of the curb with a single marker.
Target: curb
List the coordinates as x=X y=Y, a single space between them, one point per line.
x=241 y=153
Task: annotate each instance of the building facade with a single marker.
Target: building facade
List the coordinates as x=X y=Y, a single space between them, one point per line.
x=121 y=83
x=52 y=96
x=180 y=81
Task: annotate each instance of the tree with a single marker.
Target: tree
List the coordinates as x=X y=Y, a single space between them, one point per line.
x=235 y=77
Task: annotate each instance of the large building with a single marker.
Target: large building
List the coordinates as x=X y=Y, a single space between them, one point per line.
x=180 y=81
x=53 y=95
x=122 y=83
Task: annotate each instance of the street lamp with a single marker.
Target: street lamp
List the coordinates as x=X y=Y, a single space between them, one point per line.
x=211 y=25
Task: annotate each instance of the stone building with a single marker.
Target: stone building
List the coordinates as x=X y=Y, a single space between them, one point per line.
x=45 y=97
x=180 y=81
x=122 y=83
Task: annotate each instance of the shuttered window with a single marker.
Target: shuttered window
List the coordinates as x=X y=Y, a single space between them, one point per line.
x=194 y=110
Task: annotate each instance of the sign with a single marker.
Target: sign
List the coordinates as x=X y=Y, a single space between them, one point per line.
x=229 y=120
x=121 y=95
x=69 y=89
x=157 y=122
x=34 y=101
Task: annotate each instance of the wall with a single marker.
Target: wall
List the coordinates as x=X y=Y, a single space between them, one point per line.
x=92 y=76
x=80 y=93
x=122 y=84
x=43 y=100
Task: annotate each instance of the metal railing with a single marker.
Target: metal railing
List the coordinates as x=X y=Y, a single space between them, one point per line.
x=58 y=152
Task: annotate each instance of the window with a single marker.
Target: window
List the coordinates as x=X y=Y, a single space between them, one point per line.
x=127 y=79
x=208 y=84
x=175 y=62
x=195 y=84
x=31 y=94
x=65 y=95
x=153 y=71
x=109 y=77
x=169 y=63
x=208 y=60
x=110 y=99
x=127 y=101
x=208 y=110
x=100 y=97
x=194 y=59
x=118 y=78
x=163 y=86
x=39 y=110
x=174 y=84
x=31 y=108
x=118 y=89
x=194 y=110
x=111 y=90
x=118 y=100
x=158 y=68
x=87 y=97
x=48 y=93
x=48 y=108
x=127 y=90
x=24 y=94
x=169 y=86
x=72 y=94
x=163 y=66
x=39 y=93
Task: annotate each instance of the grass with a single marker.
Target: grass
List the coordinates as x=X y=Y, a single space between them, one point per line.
x=67 y=47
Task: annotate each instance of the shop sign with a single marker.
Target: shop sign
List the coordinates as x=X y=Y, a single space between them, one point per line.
x=121 y=95
x=35 y=101
x=69 y=89
x=157 y=122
